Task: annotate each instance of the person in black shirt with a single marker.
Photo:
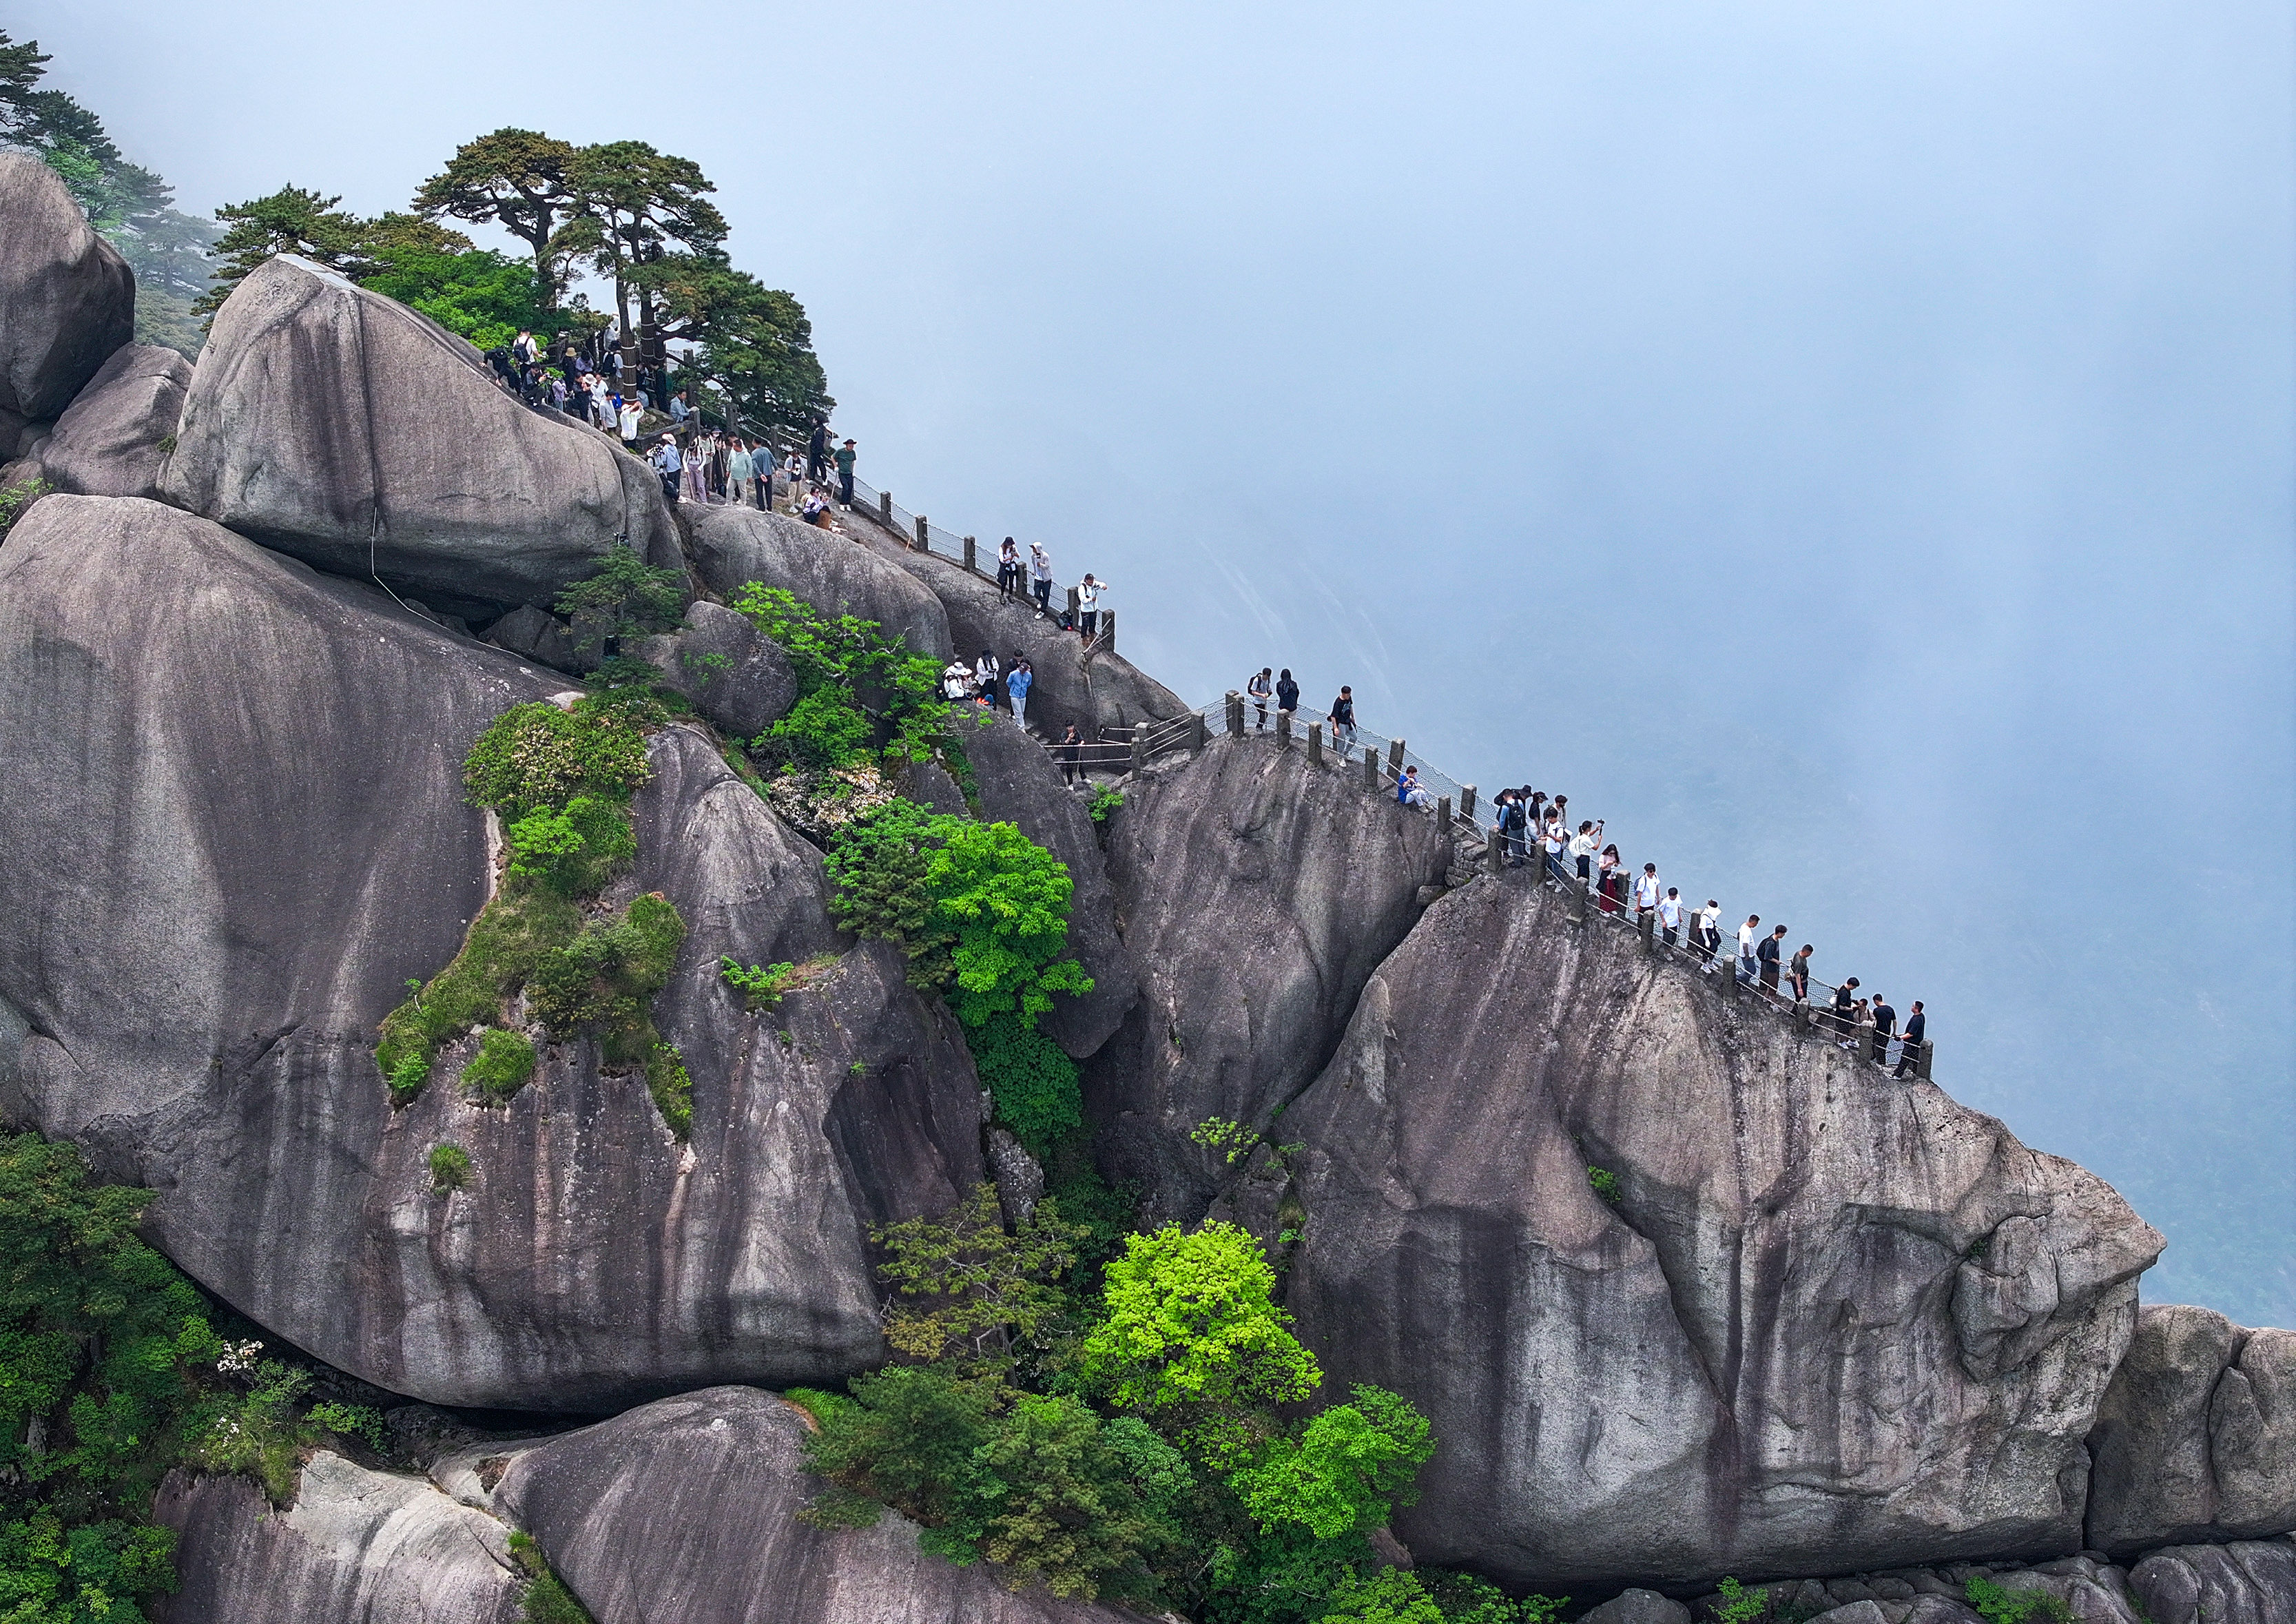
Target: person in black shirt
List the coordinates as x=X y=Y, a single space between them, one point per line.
x=1768 y=950
x=1845 y=1007
x=1885 y=1022
x=816 y=450
x=1287 y=694
x=1909 y=1052
x=1343 y=716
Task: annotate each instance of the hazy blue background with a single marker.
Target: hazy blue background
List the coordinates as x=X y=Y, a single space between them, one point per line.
x=1848 y=447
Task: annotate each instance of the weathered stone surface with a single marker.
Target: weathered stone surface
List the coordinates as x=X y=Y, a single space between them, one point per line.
x=1019 y=1178
x=357 y=1547
x=340 y=426
x=1834 y=1323
x=1638 y=1607
x=1020 y=785
x=2250 y=1582
x=740 y=681
x=246 y=780
x=534 y=634
x=67 y=298
x=1256 y=895
x=2196 y=1439
x=1104 y=690
x=685 y=1511
x=108 y=443
x=836 y=575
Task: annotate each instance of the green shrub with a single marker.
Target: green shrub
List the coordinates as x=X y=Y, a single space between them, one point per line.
x=895 y=691
x=824 y=729
x=503 y=1065
x=624 y=598
x=576 y=852
x=877 y=870
x=1999 y=1604
x=1738 y=1604
x=1466 y=1599
x=1003 y=899
x=671 y=1086
x=536 y=756
x=504 y=943
x=1189 y=1318
x=1232 y=1140
x=1106 y=799
x=1391 y=1596
x=261 y=1434
x=16 y=498
x=450 y=1166
x=1605 y=1184
x=349 y=1421
x=547 y=1599
x=1032 y=1081
x=968 y=1290
x=606 y=977
x=408 y=1075
x=1350 y=1466
x=763 y=984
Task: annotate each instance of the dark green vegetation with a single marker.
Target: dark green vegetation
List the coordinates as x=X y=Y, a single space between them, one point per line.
x=1999 y=1604
x=16 y=498
x=1604 y=1184
x=561 y=782
x=110 y=1374
x=627 y=597
x=1131 y=1441
x=547 y=1599
x=132 y=207
x=450 y=1166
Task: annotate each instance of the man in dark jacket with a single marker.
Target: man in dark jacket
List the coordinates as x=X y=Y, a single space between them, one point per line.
x=1767 y=951
x=816 y=450
x=1909 y=1053
x=1885 y=1022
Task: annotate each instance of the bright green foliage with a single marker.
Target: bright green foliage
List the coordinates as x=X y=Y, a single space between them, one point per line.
x=87 y=1574
x=1005 y=900
x=1285 y=1578
x=349 y=1421
x=1350 y=1466
x=878 y=867
x=1999 y=1604
x=763 y=984
x=1219 y=1134
x=1190 y=1321
x=983 y=1293
x=1740 y=1605
x=1466 y=1599
x=1106 y=799
x=503 y=1065
x=607 y=976
x=450 y=1166
x=1392 y=1596
x=1032 y=1080
x=477 y=294
x=825 y=728
x=576 y=852
x=1605 y=1184
x=506 y=941
x=408 y=1075
x=536 y=756
x=14 y=502
x=260 y=1434
x=672 y=1087
x=627 y=597
x=897 y=690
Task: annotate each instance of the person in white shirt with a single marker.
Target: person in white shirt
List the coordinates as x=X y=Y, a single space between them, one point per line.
x=1551 y=836
x=1040 y=578
x=1746 y=944
x=1670 y=914
x=1583 y=847
x=1008 y=567
x=1089 y=592
x=1708 y=924
x=1646 y=890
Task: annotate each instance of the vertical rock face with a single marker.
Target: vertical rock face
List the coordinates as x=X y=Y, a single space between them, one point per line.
x=2197 y=1436
x=740 y=680
x=1833 y=1322
x=1257 y=894
x=685 y=1511
x=67 y=298
x=357 y=1547
x=246 y=782
x=110 y=441
x=1020 y=785
x=340 y=427
x=734 y=545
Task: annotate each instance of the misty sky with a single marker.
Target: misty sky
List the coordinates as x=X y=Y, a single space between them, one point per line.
x=1848 y=448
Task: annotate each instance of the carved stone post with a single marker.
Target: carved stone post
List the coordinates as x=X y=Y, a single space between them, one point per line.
x=1495 y=854
x=1467 y=802
x=1139 y=748
x=1234 y=714
x=1315 y=745
x=1443 y=814
x=1283 y=730
x=1574 y=900
x=1371 y=771
x=885 y=507
x=1647 y=924
x=925 y=534
x=970 y=554
x=1921 y=1065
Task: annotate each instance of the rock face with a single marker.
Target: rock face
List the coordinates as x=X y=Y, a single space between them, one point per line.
x=2250 y=1582
x=357 y=1547
x=67 y=298
x=2197 y=1436
x=1104 y=690
x=247 y=781
x=734 y=545
x=685 y=1511
x=338 y=426
x=1833 y=1323
x=1257 y=894
x=110 y=442
x=1020 y=785
x=740 y=680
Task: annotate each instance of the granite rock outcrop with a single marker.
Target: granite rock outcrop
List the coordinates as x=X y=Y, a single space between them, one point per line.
x=66 y=299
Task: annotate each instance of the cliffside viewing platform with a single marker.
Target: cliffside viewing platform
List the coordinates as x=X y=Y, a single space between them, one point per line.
x=609 y=1025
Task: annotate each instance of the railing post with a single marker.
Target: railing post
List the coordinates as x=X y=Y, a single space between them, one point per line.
x=1315 y=745
x=1647 y=924
x=1467 y=802
x=1283 y=730
x=1443 y=814
x=885 y=507
x=1139 y=748
x=969 y=553
x=1865 y=1043
x=1726 y=956
x=1107 y=629
x=1199 y=732
x=1574 y=900
x=925 y=534
x=1921 y=1065
x=1075 y=599
x=1395 y=757
x=1495 y=854
x=1371 y=770
x=1234 y=714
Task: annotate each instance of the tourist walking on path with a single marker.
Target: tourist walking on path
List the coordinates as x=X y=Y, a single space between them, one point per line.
x=1845 y=1011
x=1646 y=891
x=1008 y=567
x=738 y=472
x=1343 y=716
x=1708 y=926
x=1669 y=916
x=1885 y=1023
x=1260 y=688
x=1746 y=947
x=845 y=476
x=1287 y=696
x=1040 y=578
x=669 y=465
x=1089 y=593
x=1909 y=1051
x=1018 y=681
x=1072 y=765
x=1514 y=824
x=1797 y=974
x=1766 y=954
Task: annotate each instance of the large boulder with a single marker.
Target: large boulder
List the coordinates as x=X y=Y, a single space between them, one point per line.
x=685 y=1511
x=741 y=680
x=2250 y=1582
x=67 y=298
x=1257 y=894
x=734 y=545
x=245 y=782
x=1096 y=692
x=1833 y=1322
x=112 y=441
x=2196 y=1439
x=1020 y=785
x=335 y=424
x=357 y=1547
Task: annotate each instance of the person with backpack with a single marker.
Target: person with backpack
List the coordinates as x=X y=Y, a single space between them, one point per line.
x=668 y=464
x=1259 y=687
x=1514 y=824
x=1646 y=891
x=1089 y=593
